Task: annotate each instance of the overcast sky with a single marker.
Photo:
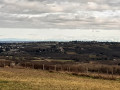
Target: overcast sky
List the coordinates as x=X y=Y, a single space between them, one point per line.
x=46 y=15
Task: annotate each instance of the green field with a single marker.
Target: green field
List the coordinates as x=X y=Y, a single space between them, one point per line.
x=29 y=79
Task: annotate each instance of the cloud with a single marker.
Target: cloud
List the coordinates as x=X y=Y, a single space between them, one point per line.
x=101 y=14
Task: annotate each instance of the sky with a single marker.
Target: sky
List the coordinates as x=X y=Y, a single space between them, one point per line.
x=60 y=20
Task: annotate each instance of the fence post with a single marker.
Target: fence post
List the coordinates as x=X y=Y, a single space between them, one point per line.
x=33 y=66
x=4 y=63
x=49 y=67
x=61 y=68
x=87 y=70
x=55 y=68
x=25 y=65
x=43 y=67
x=68 y=69
x=107 y=70
x=76 y=69
x=98 y=72
x=112 y=72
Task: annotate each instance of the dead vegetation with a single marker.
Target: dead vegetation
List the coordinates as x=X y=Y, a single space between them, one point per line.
x=32 y=79
x=111 y=72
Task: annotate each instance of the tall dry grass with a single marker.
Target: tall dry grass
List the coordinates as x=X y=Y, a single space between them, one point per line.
x=31 y=79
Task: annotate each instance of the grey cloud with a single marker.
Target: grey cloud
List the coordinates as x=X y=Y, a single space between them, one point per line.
x=101 y=14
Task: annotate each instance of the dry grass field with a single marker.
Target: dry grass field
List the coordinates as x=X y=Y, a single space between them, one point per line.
x=30 y=79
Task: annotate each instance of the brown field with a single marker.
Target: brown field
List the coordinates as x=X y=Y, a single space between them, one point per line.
x=30 y=79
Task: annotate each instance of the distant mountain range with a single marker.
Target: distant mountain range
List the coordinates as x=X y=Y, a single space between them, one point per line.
x=11 y=39
x=6 y=40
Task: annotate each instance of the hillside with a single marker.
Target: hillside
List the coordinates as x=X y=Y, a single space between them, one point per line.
x=29 y=79
x=75 y=50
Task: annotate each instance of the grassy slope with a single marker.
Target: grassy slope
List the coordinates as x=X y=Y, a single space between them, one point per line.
x=25 y=79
